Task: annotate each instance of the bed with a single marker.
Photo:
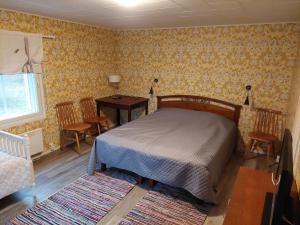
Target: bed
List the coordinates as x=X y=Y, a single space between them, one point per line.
x=16 y=168
x=186 y=143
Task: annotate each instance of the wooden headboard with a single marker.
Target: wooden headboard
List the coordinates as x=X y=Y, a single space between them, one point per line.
x=199 y=103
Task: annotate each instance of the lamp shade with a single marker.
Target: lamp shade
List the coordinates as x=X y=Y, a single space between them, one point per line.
x=114 y=78
x=246 y=101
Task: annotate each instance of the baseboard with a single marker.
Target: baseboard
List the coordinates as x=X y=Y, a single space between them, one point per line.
x=52 y=151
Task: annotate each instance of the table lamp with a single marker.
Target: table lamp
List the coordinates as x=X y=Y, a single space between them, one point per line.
x=114 y=80
x=249 y=99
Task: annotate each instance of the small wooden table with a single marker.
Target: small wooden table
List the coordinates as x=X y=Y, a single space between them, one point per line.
x=122 y=102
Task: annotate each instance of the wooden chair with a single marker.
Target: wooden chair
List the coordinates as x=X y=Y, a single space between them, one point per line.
x=89 y=114
x=266 y=129
x=69 y=123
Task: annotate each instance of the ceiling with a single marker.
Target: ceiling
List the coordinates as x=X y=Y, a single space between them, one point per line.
x=161 y=13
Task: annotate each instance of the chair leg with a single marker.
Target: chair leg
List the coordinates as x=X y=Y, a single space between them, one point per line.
x=98 y=127
x=248 y=150
x=61 y=137
x=88 y=136
x=77 y=141
x=273 y=150
x=269 y=149
x=107 y=124
x=250 y=145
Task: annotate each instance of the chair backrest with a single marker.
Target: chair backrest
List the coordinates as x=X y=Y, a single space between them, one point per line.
x=66 y=114
x=268 y=121
x=88 y=108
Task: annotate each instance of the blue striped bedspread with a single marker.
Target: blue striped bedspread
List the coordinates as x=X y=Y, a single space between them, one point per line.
x=179 y=147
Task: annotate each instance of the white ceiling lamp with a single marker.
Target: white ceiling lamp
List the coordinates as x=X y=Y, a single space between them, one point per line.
x=128 y=3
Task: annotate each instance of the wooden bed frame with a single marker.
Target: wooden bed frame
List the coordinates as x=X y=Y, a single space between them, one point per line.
x=199 y=103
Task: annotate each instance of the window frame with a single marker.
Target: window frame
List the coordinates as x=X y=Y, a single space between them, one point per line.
x=32 y=117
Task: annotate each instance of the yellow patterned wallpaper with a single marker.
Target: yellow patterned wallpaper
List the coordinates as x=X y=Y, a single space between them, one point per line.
x=294 y=115
x=76 y=64
x=211 y=61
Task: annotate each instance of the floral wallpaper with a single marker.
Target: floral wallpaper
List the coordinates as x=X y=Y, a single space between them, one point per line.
x=76 y=64
x=294 y=116
x=211 y=61
x=215 y=61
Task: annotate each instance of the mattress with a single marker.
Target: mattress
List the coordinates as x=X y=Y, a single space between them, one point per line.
x=16 y=173
x=178 y=147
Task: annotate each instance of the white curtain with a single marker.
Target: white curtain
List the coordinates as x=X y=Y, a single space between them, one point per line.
x=20 y=52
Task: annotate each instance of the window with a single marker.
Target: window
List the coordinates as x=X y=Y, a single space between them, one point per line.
x=21 y=99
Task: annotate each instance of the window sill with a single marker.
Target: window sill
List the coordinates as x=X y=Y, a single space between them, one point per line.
x=21 y=120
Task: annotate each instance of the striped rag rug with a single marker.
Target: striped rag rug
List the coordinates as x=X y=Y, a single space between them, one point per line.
x=165 y=206
x=85 y=201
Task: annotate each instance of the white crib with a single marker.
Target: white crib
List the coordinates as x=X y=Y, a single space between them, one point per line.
x=16 y=168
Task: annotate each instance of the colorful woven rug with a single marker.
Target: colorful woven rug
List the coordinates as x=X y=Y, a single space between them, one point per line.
x=85 y=201
x=165 y=206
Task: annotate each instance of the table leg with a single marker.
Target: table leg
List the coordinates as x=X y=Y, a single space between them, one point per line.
x=146 y=108
x=98 y=109
x=129 y=115
x=118 y=117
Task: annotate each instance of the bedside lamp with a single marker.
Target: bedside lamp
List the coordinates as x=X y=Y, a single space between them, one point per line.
x=249 y=100
x=248 y=89
x=115 y=80
x=151 y=92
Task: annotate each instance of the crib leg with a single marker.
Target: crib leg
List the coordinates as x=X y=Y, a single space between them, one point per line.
x=103 y=167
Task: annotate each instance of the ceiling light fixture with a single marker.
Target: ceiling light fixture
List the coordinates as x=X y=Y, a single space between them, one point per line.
x=128 y=3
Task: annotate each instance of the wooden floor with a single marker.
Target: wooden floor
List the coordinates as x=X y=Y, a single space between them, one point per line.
x=61 y=168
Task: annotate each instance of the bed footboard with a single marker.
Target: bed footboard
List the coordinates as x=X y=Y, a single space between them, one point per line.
x=15 y=145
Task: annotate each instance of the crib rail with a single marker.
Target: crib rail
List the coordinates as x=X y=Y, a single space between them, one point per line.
x=15 y=145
